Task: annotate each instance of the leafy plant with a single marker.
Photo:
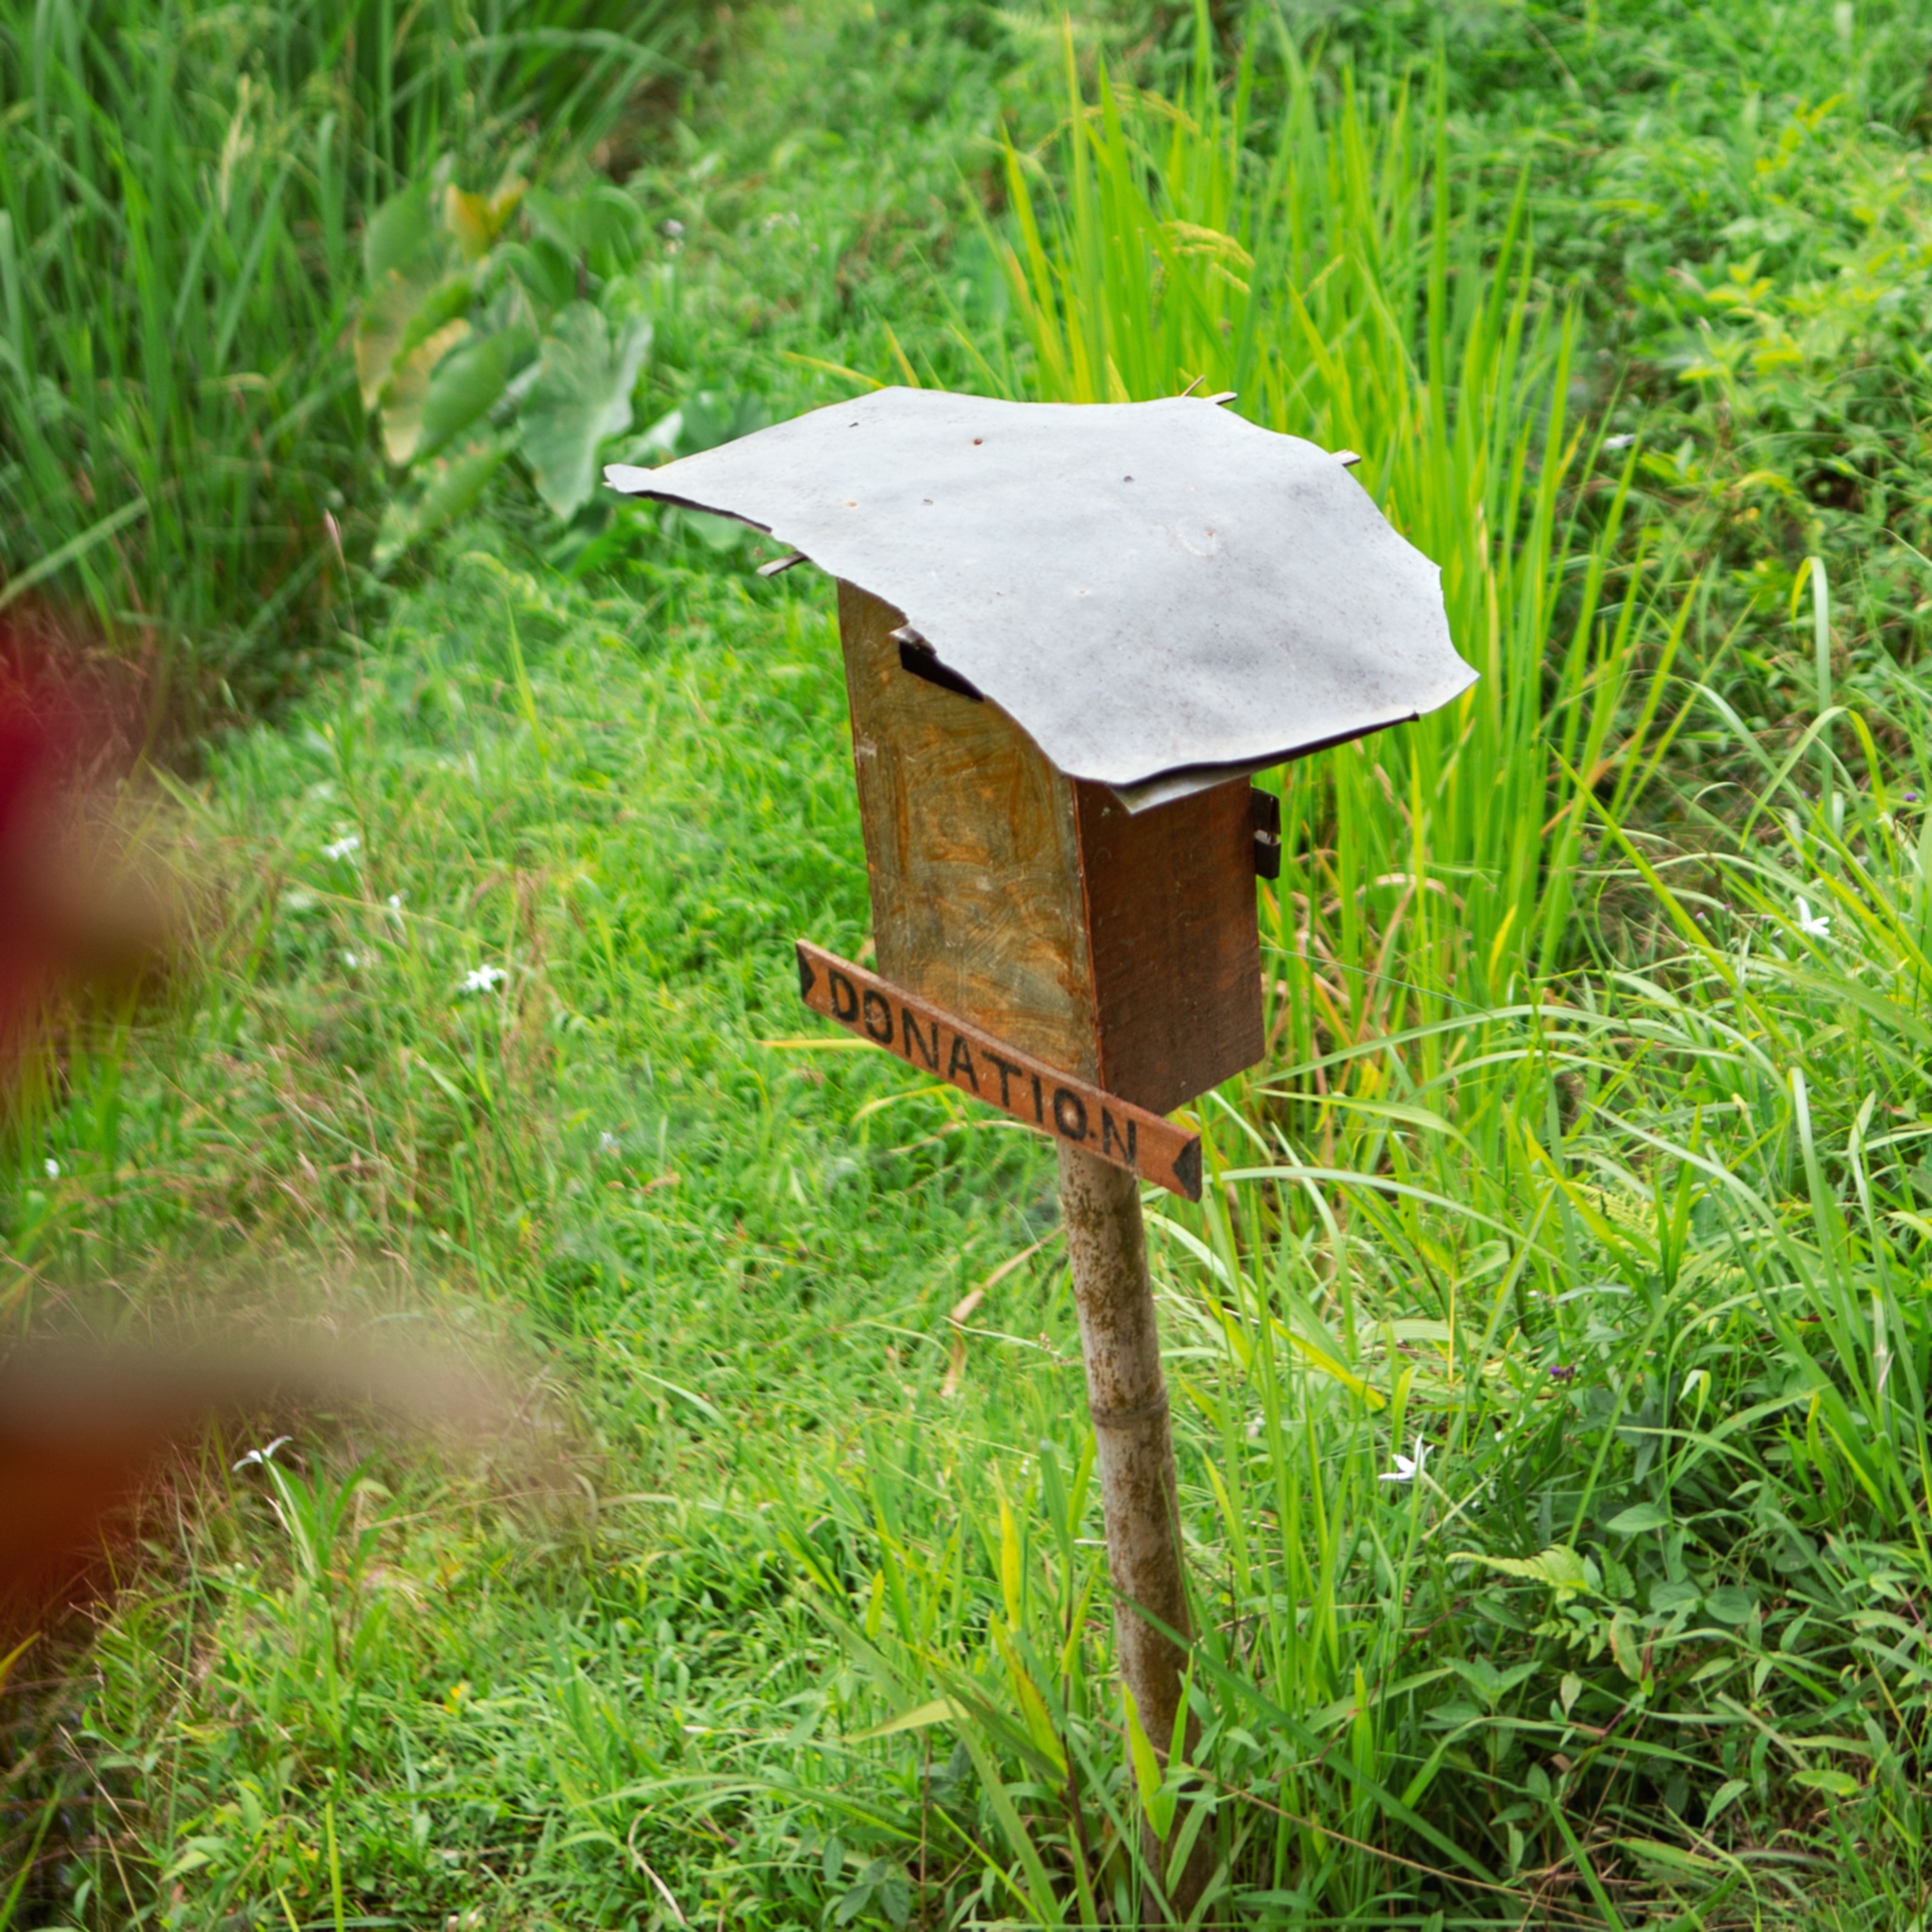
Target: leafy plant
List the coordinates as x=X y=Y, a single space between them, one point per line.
x=180 y=185
x=476 y=343
x=473 y=345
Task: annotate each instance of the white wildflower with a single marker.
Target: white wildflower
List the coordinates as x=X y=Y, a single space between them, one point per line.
x=1407 y=1469
x=352 y=960
x=1617 y=442
x=482 y=979
x=53 y=1166
x=345 y=847
x=1815 y=926
x=264 y=1456
x=608 y=1144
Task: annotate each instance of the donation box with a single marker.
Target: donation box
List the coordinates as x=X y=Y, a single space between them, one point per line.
x=1072 y=633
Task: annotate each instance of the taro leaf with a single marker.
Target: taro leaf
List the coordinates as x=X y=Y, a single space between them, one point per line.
x=580 y=396
x=407 y=391
x=398 y=232
x=422 y=276
x=407 y=260
x=449 y=485
x=469 y=382
x=720 y=536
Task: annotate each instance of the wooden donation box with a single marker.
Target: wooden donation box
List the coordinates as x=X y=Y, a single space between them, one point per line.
x=1070 y=635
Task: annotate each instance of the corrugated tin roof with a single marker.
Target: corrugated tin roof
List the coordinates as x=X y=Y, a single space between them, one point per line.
x=1159 y=593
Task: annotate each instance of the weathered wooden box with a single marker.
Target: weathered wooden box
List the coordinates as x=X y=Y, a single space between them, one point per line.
x=1118 y=946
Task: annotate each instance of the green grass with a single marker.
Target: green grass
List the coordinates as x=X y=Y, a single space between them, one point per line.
x=1584 y=1153
x=181 y=189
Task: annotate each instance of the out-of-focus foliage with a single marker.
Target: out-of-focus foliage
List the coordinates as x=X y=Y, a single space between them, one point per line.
x=181 y=189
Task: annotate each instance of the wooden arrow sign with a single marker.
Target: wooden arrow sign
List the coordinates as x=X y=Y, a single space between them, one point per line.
x=1037 y=1095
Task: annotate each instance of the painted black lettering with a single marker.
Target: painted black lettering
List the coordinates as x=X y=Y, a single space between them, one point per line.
x=1111 y=1136
x=963 y=1058
x=878 y=1009
x=844 y=997
x=1069 y=1114
x=1037 y=1113
x=1006 y=1070
x=928 y=1044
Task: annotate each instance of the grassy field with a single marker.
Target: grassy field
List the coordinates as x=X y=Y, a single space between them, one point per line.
x=1585 y=1174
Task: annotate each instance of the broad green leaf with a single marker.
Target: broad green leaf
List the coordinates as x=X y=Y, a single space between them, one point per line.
x=388 y=310
x=408 y=388
x=1639 y=1518
x=581 y=396
x=1039 y=1722
x=659 y=439
x=718 y=534
x=1010 y=1567
x=712 y=416
x=411 y=292
x=448 y=486
x=1422 y=1330
x=1730 y=1604
x=469 y=382
x=1319 y=1358
x=398 y=232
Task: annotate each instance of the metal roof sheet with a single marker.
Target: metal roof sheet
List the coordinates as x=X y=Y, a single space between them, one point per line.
x=1159 y=593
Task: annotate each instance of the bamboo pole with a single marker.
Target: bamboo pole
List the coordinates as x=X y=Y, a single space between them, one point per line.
x=1126 y=1395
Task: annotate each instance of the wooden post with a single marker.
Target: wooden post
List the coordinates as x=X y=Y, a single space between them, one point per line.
x=1126 y=1394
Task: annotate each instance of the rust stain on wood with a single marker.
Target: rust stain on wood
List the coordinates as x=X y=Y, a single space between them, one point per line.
x=1047 y=1099
x=1172 y=933
x=973 y=850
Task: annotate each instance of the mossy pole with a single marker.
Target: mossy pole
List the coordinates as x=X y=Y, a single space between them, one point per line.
x=1126 y=1396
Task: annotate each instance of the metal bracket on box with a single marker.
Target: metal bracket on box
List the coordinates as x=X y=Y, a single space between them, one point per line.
x=1264 y=814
